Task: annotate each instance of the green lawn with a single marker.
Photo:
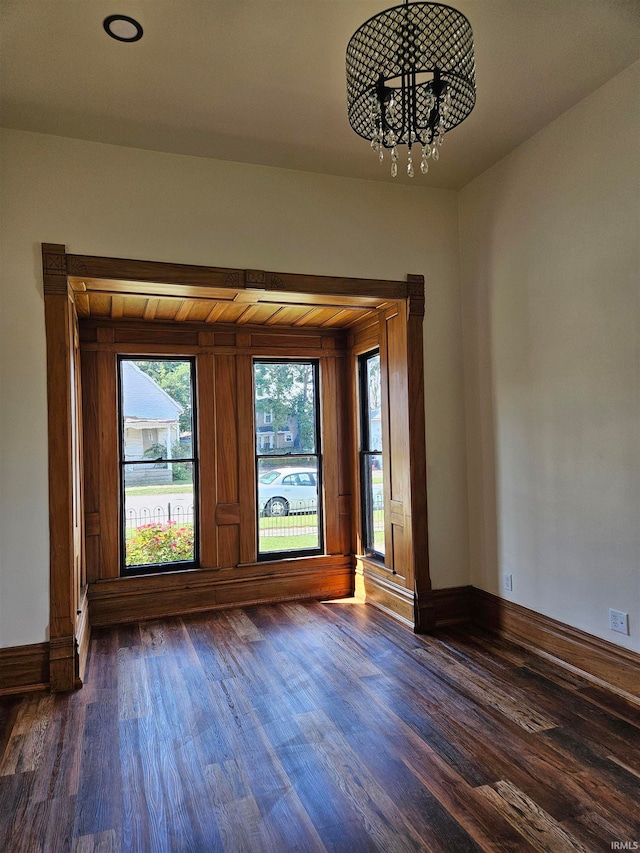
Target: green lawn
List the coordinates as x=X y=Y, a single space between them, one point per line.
x=177 y=488
x=288 y=543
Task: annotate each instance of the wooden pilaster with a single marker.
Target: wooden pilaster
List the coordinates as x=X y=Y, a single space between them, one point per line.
x=63 y=658
x=424 y=611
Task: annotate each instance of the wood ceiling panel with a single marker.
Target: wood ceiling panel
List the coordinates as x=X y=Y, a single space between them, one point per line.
x=99 y=305
x=167 y=309
x=287 y=315
x=355 y=317
x=117 y=307
x=231 y=313
x=133 y=307
x=82 y=304
x=284 y=298
x=337 y=318
x=200 y=310
x=316 y=317
x=183 y=312
x=245 y=308
x=258 y=314
x=150 y=309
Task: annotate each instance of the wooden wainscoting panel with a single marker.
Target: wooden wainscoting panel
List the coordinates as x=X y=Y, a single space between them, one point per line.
x=150 y=596
x=416 y=509
x=106 y=434
x=226 y=466
x=330 y=451
x=207 y=440
x=24 y=669
x=605 y=662
x=246 y=460
x=377 y=586
x=83 y=636
x=227 y=514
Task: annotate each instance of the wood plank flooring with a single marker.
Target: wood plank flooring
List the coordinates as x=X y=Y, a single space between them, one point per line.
x=314 y=727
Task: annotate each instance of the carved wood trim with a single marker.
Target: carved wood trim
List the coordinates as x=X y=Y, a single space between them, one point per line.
x=156 y=272
x=54 y=270
x=416 y=295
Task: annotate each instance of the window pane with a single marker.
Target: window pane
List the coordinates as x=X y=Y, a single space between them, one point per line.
x=372 y=483
x=156 y=409
x=374 y=503
x=158 y=516
x=374 y=400
x=285 y=407
x=288 y=504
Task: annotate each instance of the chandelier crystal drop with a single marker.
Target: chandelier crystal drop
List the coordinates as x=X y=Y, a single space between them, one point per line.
x=410 y=79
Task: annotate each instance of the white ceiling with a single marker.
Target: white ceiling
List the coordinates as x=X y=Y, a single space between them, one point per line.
x=263 y=81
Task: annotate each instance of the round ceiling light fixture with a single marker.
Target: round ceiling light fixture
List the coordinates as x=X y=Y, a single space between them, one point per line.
x=122 y=28
x=411 y=78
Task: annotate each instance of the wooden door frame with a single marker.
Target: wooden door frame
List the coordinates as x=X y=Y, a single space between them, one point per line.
x=69 y=625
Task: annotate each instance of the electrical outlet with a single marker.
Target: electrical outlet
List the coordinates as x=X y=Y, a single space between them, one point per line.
x=619 y=621
x=507 y=581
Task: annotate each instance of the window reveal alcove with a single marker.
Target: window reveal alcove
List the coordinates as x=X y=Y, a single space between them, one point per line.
x=101 y=312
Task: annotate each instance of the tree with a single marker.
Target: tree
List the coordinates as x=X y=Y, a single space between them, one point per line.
x=174 y=377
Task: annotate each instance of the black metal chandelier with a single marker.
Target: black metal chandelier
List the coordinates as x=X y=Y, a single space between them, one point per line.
x=410 y=79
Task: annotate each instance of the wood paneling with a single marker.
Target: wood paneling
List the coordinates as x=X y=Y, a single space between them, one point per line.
x=106 y=434
x=149 y=596
x=246 y=460
x=606 y=662
x=333 y=448
x=24 y=668
x=136 y=298
x=346 y=472
x=65 y=478
x=227 y=514
x=224 y=368
x=207 y=455
x=220 y=335
x=226 y=466
x=378 y=587
x=127 y=275
x=416 y=509
x=172 y=337
x=398 y=485
x=243 y=308
x=403 y=580
x=83 y=635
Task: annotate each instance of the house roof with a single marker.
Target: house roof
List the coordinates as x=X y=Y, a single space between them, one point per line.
x=143 y=398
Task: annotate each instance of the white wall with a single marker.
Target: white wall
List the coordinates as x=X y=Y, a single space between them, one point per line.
x=550 y=272
x=107 y=200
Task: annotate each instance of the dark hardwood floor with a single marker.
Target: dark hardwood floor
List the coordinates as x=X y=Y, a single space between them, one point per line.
x=317 y=727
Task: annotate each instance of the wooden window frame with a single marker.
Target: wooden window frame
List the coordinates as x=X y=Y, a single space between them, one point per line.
x=69 y=593
x=267 y=556
x=366 y=506
x=154 y=568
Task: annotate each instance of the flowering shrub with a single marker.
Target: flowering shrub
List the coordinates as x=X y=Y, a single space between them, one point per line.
x=160 y=543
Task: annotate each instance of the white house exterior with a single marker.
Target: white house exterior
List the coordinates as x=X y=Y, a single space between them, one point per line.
x=151 y=417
